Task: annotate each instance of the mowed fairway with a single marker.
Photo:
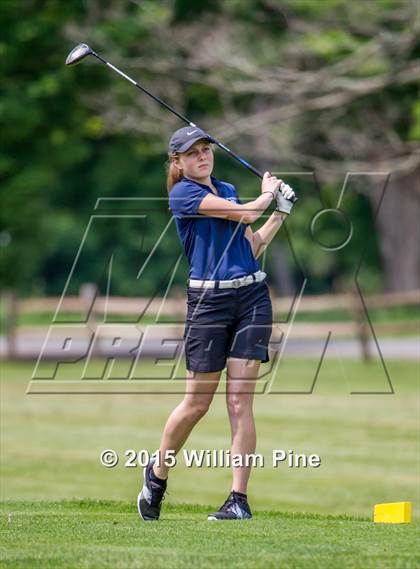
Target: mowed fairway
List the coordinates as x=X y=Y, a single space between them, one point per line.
x=62 y=508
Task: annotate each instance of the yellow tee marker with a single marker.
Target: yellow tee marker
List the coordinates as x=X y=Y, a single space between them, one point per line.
x=393 y=513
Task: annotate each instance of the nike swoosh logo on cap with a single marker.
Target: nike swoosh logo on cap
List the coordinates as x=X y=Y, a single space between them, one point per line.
x=192 y=132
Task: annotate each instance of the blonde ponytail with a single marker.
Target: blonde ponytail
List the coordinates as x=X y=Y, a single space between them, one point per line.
x=173 y=174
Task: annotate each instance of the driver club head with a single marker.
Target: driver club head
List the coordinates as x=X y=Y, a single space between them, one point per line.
x=78 y=53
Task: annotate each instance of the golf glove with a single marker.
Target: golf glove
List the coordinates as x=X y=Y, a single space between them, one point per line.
x=284 y=195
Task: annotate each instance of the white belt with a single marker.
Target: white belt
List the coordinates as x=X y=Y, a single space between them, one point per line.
x=233 y=283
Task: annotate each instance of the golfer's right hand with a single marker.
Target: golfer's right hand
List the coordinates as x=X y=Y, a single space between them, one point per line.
x=270 y=184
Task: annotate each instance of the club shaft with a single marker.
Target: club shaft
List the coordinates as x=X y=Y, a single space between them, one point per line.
x=173 y=111
x=157 y=99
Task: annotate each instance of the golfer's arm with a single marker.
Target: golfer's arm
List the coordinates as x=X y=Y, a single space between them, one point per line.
x=215 y=206
x=259 y=240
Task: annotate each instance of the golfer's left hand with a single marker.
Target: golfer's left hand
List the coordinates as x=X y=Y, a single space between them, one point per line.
x=287 y=191
x=284 y=199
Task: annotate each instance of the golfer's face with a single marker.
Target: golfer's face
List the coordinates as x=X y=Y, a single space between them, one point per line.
x=197 y=161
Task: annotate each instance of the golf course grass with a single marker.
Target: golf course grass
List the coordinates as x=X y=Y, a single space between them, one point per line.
x=55 y=535
x=62 y=508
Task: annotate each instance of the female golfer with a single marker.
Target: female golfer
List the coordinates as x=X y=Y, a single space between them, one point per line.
x=229 y=316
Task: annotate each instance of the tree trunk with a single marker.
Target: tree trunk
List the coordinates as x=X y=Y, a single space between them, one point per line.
x=283 y=282
x=398 y=224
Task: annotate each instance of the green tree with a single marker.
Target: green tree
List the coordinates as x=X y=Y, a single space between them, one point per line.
x=293 y=85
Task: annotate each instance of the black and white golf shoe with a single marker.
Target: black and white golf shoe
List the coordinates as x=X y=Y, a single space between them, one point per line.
x=235 y=508
x=149 y=501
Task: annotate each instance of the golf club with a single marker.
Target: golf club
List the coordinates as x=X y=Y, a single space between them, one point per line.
x=83 y=50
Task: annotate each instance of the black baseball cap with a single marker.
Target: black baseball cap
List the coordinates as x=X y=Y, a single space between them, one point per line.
x=184 y=138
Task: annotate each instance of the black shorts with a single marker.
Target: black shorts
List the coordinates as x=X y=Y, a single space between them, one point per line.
x=227 y=322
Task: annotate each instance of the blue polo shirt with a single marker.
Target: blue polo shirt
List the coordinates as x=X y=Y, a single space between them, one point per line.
x=216 y=248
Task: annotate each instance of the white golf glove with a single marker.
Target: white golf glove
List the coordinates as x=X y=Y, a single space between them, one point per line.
x=284 y=197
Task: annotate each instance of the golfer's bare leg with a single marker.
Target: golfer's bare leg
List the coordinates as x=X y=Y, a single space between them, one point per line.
x=241 y=380
x=200 y=389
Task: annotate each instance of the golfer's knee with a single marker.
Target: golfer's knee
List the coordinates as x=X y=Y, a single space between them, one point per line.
x=238 y=405
x=196 y=409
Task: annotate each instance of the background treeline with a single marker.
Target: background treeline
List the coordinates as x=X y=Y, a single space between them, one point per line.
x=295 y=86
